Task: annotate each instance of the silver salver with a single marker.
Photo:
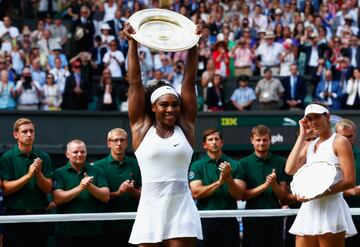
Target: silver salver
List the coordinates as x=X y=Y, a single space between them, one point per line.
x=163 y=30
x=313 y=179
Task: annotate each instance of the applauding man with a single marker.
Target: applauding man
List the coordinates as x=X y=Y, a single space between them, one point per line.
x=79 y=188
x=26 y=175
x=123 y=176
x=215 y=185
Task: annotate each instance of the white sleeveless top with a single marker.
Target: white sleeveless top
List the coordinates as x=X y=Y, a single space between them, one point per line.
x=329 y=214
x=166 y=209
x=164 y=159
x=324 y=152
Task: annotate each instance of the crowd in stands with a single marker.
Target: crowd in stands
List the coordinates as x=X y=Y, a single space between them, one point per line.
x=294 y=52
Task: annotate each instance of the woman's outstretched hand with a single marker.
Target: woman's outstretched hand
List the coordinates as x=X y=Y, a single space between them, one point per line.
x=128 y=31
x=199 y=30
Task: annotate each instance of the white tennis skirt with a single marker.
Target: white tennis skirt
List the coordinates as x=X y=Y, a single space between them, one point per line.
x=329 y=214
x=166 y=210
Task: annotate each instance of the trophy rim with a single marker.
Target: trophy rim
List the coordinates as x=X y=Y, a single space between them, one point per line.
x=309 y=174
x=142 y=17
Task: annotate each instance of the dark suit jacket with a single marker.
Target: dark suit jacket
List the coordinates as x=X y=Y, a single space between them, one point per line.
x=348 y=53
x=86 y=42
x=323 y=51
x=335 y=88
x=300 y=90
x=213 y=100
x=72 y=100
x=112 y=26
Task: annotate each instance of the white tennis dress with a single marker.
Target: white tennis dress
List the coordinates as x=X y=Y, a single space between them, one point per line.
x=328 y=214
x=166 y=209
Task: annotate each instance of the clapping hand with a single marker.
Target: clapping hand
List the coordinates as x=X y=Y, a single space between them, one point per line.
x=271 y=178
x=225 y=169
x=86 y=181
x=35 y=167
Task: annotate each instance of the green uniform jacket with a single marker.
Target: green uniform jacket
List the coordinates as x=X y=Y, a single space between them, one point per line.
x=66 y=178
x=207 y=171
x=13 y=165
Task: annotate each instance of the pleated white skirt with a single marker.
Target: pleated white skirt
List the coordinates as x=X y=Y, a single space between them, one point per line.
x=166 y=210
x=329 y=214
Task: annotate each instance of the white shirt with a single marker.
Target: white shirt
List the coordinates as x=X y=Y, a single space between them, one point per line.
x=109 y=12
x=314 y=57
x=114 y=65
x=270 y=55
x=28 y=96
x=60 y=77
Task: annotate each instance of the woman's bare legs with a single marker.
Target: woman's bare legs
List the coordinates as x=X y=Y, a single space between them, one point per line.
x=332 y=240
x=180 y=242
x=324 y=240
x=151 y=245
x=307 y=241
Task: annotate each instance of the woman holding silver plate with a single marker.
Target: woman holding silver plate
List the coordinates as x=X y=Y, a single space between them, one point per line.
x=162 y=125
x=324 y=219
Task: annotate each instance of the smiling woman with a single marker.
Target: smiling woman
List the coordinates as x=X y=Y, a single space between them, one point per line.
x=162 y=125
x=323 y=220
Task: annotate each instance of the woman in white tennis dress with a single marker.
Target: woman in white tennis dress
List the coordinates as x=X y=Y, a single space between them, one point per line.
x=163 y=138
x=325 y=220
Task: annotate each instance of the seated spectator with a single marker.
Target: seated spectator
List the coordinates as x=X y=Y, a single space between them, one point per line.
x=243 y=58
x=38 y=33
x=8 y=33
x=287 y=57
x=268 y=54
x=353 y=52
x=25 y=43
x=176 y=77
x=353 y=91
x=60 y=74
x=295 y=90
x=243 y=97
x=17 y=58
x=7 y=92
x=97 y=54
x=117 y=23
x=28 y=91
x=59 y=31
x=215 y=98
x=56 y=53
x=76 y=90
x=260 y=21
x=328 y=91
x=144 y=66
x=269 y=91
x=166 y=66
x=5 y=65
x=114 y=60
x=46 y=43
x=83 y=29
x=221 y=59
x=37 y=73
x=106 y=97
x=106 y=37
x=203 y=57
x=208 y=74
x=52 y=95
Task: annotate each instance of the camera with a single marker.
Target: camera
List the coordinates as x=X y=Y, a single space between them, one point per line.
x=27 y=82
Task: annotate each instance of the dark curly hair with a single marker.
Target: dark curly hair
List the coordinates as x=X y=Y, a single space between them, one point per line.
x=149 y=89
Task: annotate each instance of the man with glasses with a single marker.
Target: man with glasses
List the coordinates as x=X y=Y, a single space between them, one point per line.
x=123 y=176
